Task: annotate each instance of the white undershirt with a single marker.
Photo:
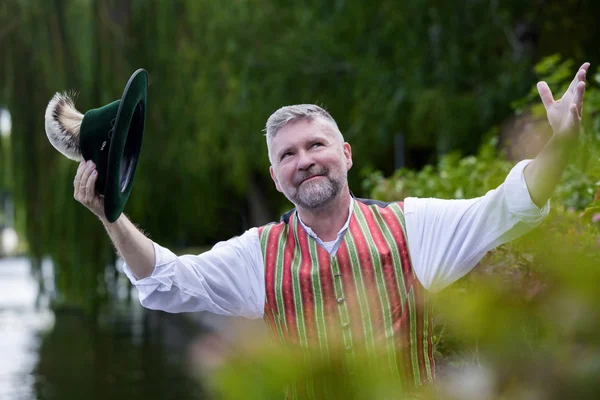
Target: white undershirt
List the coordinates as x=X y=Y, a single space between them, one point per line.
x=446 y=239
x=332 y=246
x=329 y=246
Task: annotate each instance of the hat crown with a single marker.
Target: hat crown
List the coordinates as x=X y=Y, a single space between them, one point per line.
x=98 y=123
x=96 y=135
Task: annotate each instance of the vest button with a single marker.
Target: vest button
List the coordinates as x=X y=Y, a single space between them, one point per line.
x=340 y=300
x=348 y=348
x=345 y=325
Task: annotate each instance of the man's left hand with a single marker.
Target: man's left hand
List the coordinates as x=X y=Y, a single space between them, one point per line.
x=564 y=114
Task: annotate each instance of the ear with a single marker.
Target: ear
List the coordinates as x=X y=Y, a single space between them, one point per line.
x=348 y=155
x=274 y=177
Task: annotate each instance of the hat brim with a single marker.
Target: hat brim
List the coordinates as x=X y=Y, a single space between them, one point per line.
x=126 y=145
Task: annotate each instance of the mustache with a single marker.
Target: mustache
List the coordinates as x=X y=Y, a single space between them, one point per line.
x=304 y=175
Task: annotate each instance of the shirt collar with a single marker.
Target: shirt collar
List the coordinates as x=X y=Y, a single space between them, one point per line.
x=342 y=230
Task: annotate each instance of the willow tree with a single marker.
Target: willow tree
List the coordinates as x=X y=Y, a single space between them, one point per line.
x=51 y=48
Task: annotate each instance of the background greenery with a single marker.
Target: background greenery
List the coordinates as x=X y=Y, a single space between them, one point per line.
x=455 y=81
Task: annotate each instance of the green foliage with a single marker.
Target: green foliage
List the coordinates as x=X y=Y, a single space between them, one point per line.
x=266 y=372
x=454 y=177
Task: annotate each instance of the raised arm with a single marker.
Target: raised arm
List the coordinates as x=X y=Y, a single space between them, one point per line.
x=564 y=115
x=226 y=280
x=135 y=248
x=448 y=237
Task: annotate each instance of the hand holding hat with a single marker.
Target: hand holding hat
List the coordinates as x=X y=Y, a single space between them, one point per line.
x=109 y=136
x=84 y=189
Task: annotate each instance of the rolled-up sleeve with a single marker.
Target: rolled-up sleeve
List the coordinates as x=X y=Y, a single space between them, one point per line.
x=226 y=280
x=447 y=238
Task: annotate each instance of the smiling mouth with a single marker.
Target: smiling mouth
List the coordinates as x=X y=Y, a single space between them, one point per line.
x=311 y=178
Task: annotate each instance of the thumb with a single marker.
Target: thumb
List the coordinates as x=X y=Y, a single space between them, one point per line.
x=545 y=94
x=575 y=111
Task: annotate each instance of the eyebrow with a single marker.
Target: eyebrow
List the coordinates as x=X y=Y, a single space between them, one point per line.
x=314 y=138
x=283 y=151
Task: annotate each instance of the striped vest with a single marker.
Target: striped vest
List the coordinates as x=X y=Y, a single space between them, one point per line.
x=364 y=299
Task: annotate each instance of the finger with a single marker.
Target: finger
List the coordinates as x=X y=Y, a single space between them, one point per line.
x=90 y=187
x=585 y=66
x=580 y=90
x=83 y=182
x=572 y=86
x=545 y=94
x=579 y=76
x=75 y=187
x=77 y=178
x=80 y=169
x=575 y=112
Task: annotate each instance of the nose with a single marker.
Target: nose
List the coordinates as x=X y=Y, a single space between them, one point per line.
x=305 y=161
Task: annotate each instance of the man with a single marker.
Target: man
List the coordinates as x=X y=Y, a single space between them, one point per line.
x=338 y=271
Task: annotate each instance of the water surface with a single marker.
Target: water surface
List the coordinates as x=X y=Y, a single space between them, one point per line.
x=129 y=353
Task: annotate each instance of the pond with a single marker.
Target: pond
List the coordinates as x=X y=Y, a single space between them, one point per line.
x=129 y=353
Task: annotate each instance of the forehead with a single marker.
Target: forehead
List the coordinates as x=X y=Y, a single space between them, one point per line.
x=299 y=131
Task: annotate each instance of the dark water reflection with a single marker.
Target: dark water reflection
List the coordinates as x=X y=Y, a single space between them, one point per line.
x=128 y=354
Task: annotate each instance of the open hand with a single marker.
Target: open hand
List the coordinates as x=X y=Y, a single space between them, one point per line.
x=564 y=114
x=84 y=187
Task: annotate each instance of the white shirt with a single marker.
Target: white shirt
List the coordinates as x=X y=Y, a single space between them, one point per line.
x=446 y=239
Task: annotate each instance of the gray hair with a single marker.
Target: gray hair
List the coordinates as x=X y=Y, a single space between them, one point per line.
x=294 y=113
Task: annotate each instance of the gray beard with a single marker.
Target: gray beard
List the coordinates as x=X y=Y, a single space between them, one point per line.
x=317 y=194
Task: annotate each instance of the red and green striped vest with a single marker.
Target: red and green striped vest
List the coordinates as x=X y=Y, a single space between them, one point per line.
x=365 y=298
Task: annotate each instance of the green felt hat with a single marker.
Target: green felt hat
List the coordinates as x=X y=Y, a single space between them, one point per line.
x=110 y=136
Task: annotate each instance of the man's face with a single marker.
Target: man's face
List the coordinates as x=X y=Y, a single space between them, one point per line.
x=310 y=162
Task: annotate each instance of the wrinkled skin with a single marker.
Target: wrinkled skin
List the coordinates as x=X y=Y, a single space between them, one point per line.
x=310 y=163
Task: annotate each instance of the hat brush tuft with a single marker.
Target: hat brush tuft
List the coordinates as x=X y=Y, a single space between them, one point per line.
x=63 y=123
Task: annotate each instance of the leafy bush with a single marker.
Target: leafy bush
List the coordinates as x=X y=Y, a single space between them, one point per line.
x=454 y=177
